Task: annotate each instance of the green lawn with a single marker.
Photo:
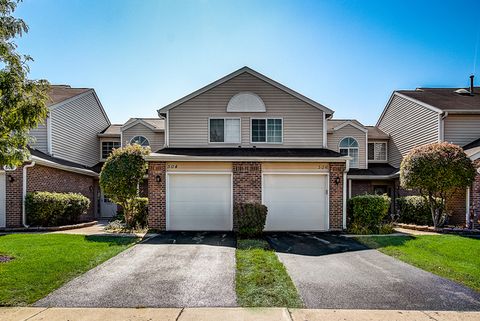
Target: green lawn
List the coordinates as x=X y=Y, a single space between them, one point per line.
x=262 y=280
x=43 y=262
x=450 y=256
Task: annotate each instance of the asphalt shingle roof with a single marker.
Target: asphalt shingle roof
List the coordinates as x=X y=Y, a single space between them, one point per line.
x=446 y=98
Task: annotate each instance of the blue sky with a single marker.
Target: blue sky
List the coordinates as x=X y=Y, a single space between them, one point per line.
x=347 y=55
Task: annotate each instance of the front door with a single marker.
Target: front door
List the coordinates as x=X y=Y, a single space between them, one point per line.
x=108 y=209
x=3 y=187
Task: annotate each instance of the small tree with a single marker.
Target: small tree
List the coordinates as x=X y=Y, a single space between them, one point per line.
x=23 y=101
x=436 y=171
x=120 y=176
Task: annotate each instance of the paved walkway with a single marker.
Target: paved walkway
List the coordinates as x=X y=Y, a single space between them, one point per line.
x=231 y=314
x=98 y=229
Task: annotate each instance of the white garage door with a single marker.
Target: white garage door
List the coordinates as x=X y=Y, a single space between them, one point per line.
x=2 y=200
x=200 y=202
x=296 y=202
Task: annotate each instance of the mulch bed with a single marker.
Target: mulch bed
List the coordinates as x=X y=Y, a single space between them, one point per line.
x=4 y=258
x=449 y=230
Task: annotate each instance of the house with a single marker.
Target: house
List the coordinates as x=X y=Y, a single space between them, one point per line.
x=64 y=152
x=413 y=118
x=246 y=138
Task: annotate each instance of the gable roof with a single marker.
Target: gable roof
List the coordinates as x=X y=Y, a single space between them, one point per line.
x=59 y=93
x=255 y=74
x=376 y=133
x=446 y=99
x=155 y=124
x=336 y=124
x=111 y=131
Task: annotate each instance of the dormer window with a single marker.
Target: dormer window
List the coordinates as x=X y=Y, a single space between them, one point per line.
x=140 y=140
x=224 y=130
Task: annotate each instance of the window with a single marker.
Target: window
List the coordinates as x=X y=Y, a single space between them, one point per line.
x=107 y=148
x=349 y=147
x=377 y=151
x=224 y=130
x=140 y=140
x=267 y=130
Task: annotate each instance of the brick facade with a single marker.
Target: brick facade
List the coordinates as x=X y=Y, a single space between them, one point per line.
x=157 y=195
x=247 y=184
x=336 y=196
x=46 y=179
x=475 y=197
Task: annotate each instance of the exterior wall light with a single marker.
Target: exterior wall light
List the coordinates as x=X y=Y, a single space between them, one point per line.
x=337 y=180
x=11 y=179
x=158 y=179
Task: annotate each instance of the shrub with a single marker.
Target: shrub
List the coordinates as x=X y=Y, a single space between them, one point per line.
x=140 y=216
x=368 y=213
x=54 y=209
x=437 y=170
x=251 y=218
x=414 y=210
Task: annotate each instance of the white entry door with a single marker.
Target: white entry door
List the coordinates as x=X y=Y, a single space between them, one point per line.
x=296 y=202
x=108 y=209
x=3 y=210
x=201 y=202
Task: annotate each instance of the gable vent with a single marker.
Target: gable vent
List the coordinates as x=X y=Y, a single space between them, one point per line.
x=246 y=102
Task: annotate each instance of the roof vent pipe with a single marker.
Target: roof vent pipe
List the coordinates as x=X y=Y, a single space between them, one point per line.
x=471 y=84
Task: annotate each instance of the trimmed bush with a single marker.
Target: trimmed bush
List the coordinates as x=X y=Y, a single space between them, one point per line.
x=368 y=213
x=414 y=210
x=55 y=209
x=251 y=218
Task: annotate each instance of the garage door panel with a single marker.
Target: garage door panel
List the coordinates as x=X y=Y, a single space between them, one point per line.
x=199 y=202
x=296 y=202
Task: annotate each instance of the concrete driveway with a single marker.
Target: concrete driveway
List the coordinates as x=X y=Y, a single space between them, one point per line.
x=172 y=270
x=335 y=272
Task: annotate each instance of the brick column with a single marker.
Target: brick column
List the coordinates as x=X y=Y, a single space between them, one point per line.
x=156 y=196
x=247 y=184
x=336 y=196
x=475 y=196
x=14 y=197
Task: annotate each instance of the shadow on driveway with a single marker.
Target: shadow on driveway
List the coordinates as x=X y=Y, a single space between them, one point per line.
x=227 y=239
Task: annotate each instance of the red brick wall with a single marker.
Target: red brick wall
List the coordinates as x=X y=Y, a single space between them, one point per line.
x=247 y=184
x=475 y=196
x=47 y=179
x=336 y=196
x=456 y=206
x=13 y=195
x=157 y=195
x=360 y=187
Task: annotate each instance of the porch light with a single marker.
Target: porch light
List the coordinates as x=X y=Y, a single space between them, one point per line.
x=158 y=179
x=337 y=180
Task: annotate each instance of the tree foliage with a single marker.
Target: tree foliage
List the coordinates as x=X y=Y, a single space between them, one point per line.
x=121 y=175
x=22 y=101
x=436 y=171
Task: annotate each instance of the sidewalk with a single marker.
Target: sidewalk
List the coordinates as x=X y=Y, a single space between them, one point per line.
x=230 y=314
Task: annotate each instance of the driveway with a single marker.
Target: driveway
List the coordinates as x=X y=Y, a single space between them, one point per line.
x=172 y=270
x=334 y=272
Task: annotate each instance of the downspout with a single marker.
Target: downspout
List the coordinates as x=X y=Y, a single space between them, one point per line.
x=441 y=132
x=347 y=167
x=24 y=193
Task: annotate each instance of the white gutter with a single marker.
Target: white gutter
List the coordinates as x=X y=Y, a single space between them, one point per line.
x=24 y=193
x=347 y=168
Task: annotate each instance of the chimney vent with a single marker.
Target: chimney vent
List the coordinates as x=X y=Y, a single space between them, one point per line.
x=471 y=84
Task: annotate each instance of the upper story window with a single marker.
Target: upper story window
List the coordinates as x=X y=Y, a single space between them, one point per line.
x=140 y=140
x=377 y=151
x=224 y=130
x=107 y=148
x=267 y=130
x=349 y=147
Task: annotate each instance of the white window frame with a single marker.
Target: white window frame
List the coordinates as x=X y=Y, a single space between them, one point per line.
x=266 y=130
x=148 y=141
x=224 y=130
x=357 y=148
x=378 y=160
x=107 y=141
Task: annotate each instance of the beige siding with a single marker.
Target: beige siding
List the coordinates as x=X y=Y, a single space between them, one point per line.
x=350 y=131
x=40 y=138
x=302 y=123
x=75 y=126
x=156 y=139
x=461 y=129
x=409 y=125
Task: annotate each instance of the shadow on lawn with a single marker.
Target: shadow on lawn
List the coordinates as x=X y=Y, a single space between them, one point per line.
x=317 y=244
x=112 y=240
